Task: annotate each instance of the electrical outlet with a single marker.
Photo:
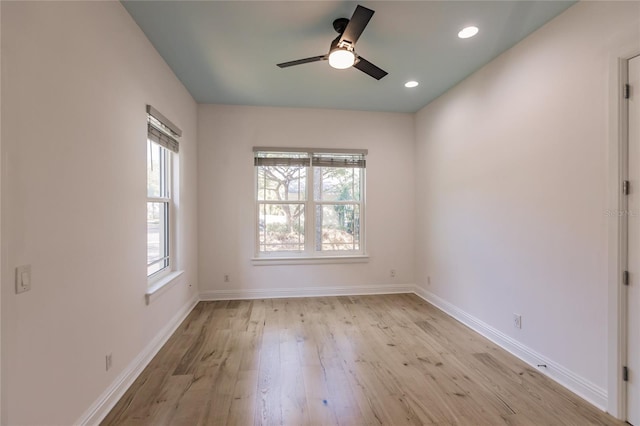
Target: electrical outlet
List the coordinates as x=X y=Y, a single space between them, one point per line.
x=108 y=361
x=392 y=273
x=517 y=321
x=429 y=280
x=226 y=278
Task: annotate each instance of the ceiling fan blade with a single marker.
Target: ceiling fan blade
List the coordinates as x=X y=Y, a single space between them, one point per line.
x=356 y=24
x=303 y=61
x=368 y=68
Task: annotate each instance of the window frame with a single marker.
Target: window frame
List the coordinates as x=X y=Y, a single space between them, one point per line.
x=166 y=180
x=310 y=204
x=164 y=134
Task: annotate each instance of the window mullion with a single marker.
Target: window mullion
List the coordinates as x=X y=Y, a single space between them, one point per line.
x=158 y=200
x=158 y=260
x=169 y=175
x=280 y=201
x=338 y=203
x=310 y=213
x=361 y=200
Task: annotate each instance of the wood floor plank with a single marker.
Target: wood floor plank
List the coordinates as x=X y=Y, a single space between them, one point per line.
x=242 y=410
x=319 y=399
x=268 y=410
x=190 y=408
x=224 y=383
x=163 y=410
x=348 y=360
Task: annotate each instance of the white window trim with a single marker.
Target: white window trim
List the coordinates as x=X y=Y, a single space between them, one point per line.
x=161 y=281
x=161 y=284
x=310 y=256
x=165 y=134
x=318 y=260
x=169 y=199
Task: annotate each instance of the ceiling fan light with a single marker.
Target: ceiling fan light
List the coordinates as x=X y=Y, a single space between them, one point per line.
x=341 y=58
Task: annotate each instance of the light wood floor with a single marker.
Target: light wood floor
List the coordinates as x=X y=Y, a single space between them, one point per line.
x=391 y=360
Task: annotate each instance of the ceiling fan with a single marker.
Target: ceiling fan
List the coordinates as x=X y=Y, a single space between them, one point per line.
x=342 y=52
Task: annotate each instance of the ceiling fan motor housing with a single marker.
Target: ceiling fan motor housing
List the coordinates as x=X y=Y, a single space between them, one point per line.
x=340 y=24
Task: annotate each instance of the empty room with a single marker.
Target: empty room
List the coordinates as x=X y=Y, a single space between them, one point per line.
x=319 y=213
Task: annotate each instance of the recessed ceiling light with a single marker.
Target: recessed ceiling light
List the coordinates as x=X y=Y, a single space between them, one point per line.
x=468 y=32
x=411 y=83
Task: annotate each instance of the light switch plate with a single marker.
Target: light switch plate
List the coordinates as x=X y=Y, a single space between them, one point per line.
x=23 y=278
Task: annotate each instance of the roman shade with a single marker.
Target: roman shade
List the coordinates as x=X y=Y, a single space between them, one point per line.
x=162 y=131
x=296 y=157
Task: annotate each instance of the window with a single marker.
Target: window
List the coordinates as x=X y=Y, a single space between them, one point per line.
x=161 y=146
x=309 y=203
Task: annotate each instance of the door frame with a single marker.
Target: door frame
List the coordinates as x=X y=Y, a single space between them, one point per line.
x=618 y=163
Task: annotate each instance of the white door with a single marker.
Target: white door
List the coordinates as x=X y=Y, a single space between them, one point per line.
x=633 y=327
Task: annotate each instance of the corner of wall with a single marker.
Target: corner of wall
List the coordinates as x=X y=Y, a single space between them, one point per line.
x=560 y=374
x=108 y=399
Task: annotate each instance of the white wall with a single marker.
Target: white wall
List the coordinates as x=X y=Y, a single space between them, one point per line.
x=226 y=136
x=76 y=77
x=1 y=269
x=504 y=176
x=511 y=185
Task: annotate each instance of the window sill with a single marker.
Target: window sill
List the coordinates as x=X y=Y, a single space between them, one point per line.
x=161 y=285
x=320 y=260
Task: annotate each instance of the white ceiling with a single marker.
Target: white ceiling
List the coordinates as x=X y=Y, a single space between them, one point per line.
x=225 y=52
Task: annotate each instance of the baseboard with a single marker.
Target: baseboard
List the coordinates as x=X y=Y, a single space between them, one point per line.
x=237 y=294
x=565 y=377
x=101 y=407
